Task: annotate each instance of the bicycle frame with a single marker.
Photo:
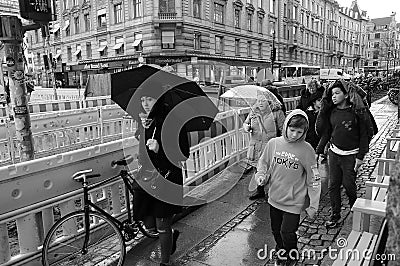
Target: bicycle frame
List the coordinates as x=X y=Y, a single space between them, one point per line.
x=87 y=203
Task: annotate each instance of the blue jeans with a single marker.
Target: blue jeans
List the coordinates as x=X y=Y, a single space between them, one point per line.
x=341 y=172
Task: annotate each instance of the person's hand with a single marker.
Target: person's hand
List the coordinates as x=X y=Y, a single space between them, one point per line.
x=357 y=164
x=311 y=212
x=260 y=179
x=246 y=127
x=152 y=144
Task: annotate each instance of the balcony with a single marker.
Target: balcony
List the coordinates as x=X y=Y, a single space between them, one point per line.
x=167 y=15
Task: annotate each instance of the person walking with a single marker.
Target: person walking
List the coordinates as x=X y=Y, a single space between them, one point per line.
x=266 y=83
x=288 y=166
x=305 y=95
x=152 y=208
x=264 y=122
x=343 y=121
x=312 y=111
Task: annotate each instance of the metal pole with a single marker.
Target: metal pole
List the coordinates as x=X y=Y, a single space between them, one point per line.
x=12 y=35
x=273 y=53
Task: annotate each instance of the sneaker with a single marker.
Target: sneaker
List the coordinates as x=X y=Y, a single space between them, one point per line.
x=175 y=235
x=333 y=222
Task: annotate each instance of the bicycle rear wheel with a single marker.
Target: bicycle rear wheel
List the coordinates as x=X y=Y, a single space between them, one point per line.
x=64 y=243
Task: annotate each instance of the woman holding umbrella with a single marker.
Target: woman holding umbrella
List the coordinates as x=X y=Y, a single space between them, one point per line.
x=150 y=204
x=264 y=122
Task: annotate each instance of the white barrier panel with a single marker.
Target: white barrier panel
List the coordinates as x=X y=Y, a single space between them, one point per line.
x=47 y=94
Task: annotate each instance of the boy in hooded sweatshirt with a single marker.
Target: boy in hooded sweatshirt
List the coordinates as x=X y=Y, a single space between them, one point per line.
x=289 y=166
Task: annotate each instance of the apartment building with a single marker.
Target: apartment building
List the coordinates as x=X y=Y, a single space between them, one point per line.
x=97 y=36
x=383 y=46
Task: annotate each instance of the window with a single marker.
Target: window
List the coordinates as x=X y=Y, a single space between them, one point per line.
x=219 y=44
x=260 y=24
x=284 y=32
x=74 y=2
x=237 y=46
x=249 y=49
x=376 y=45
x=196 y=41
x=65 y=4
x=167 y=6
x=101 y=18
x=78 y=52
x=272 y=6
x=136 y=8
x=237 y=18
x=37 y=36
x=76 y=22
x=249 y=22
x=69 y=53
x=102 y=48
x=260 y=50
x=377 y=35
x=295 y=12
x=168 y=39
x=119 y=46
x=197 y=8
x=89 y=50
x=118 y=13
x=218 y=13
x=138 y=43
x=86 y=19
x=39 y=59
x=284 y=10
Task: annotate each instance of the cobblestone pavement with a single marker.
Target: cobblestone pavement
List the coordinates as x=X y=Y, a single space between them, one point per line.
x=232 y=229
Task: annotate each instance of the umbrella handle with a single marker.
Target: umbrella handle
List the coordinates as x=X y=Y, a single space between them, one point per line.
x=154 y=132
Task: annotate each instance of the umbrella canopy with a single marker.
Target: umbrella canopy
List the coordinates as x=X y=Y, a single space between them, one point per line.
x=252 y=93
x=244 y=92
x=185 y=101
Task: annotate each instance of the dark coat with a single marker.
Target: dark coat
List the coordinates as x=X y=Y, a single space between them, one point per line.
x=275 y=92
x=162 y=196
x=306 y=97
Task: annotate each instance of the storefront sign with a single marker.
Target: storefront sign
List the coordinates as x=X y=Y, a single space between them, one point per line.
x=21 y=110
x=96 y=66
x=168 y=60
x=36 y=10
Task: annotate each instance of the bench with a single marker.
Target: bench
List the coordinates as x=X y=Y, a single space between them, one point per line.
x=392 y=143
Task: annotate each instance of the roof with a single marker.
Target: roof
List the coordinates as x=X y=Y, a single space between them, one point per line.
x=382 y=21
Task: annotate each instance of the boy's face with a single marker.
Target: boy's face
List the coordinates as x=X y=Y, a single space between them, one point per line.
x=317 y=104
x=294 y=133
x=338 y=96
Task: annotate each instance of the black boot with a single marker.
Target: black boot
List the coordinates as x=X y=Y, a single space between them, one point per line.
x=260 y=193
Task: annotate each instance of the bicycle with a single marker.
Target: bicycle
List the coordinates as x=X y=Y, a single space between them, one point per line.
x=92 y=234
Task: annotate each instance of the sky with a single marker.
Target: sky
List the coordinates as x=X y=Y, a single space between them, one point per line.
x=376 y=8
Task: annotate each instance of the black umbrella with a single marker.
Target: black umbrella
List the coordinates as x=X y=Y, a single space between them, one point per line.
x=186 y=102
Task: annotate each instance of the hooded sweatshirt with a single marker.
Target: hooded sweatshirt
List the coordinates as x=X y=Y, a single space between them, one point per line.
x=291 y=166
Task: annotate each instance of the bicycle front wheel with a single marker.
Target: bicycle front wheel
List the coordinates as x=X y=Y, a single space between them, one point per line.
x=69 y=243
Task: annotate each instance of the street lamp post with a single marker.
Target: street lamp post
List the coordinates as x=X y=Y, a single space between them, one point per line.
x=273 y=52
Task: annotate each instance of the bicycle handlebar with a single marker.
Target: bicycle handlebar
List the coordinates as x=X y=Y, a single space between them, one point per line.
x=124 y=161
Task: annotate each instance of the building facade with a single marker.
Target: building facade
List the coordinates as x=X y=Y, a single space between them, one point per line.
x=97 y=36
x=383 y=47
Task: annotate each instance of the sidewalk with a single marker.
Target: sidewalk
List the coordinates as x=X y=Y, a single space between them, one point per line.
x=232 y=229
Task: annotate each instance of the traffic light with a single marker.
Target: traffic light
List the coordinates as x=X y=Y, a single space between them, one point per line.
x=273 y=54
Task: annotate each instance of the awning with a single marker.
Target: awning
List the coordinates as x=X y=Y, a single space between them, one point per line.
x=77 y=52
x=66 y=25
x=101 y=12
x=118 y=46
x=102 y=48
x=136 y=43
x=56 y=27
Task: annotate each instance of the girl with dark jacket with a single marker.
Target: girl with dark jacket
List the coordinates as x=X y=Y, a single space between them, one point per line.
x=159 y=195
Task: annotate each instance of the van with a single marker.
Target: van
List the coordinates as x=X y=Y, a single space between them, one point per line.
x=333 y=74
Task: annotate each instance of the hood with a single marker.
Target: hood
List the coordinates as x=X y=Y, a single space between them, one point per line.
x=287 y=119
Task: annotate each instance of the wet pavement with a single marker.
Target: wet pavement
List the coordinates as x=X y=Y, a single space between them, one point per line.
x=233 y=230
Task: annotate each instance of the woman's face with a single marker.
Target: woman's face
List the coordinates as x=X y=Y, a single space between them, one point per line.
x=147 y=103
x=338 y=96
x=312 y=89
x=262 y=104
